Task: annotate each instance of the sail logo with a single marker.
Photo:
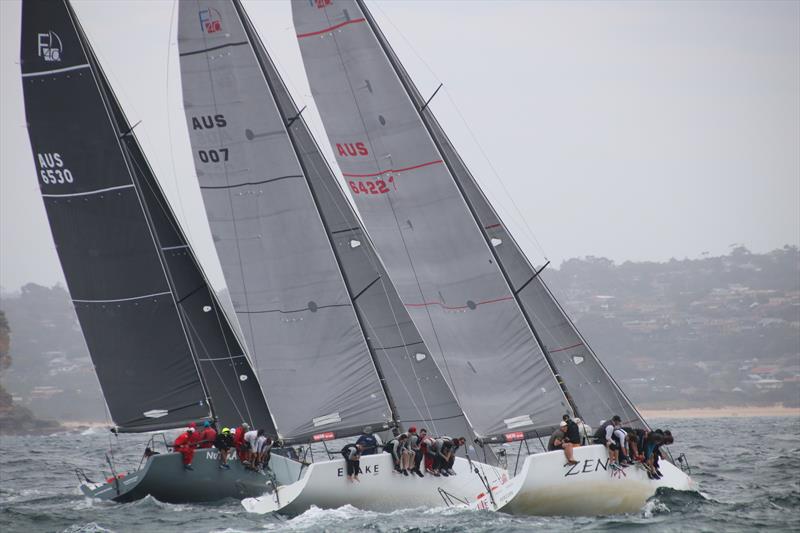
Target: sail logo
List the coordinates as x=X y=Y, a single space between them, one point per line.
x=50 y=47
x=210 y=20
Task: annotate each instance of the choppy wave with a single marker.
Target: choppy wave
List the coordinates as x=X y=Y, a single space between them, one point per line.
x=748 y=484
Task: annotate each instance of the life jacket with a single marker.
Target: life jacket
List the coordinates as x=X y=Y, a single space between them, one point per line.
x=183 y=440
x=346 y=450
x=600 y=434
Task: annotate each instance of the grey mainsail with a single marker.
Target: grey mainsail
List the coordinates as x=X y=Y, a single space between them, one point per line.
x=591 y=390
x=163 y=350
x=256 y=93
x=444 y=268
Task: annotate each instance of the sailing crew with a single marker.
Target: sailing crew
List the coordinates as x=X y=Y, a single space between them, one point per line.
x=443 y=450
x=413 y=445
x=611 y=438
x=426 y=447
x=352 y=456
x=369 y=442
x=224 y=442
x=557 y=438
x=195 y=437
x=207 y=436
x=457 y=443
x=251 y=441
x=572 y=438
x=263 y=451
x=401 y=457
x=238 y=441
x=183 y=445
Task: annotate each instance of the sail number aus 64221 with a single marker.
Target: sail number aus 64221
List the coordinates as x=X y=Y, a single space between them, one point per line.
x=377 y=186
x=51 y=169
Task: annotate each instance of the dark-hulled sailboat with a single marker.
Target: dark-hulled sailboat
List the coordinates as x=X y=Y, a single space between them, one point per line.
x=163 y=349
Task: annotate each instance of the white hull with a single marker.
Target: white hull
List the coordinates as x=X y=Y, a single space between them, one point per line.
x=325 y=485
x=545 y=486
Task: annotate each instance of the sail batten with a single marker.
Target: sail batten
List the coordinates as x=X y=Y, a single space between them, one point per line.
x=142 y=301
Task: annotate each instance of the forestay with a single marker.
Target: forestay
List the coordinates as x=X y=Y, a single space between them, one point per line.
x=433 y=249
x=594 y=393
x=153 y=326
x=286 y=284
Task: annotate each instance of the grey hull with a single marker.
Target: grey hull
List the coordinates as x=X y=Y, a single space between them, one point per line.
x=164 y=478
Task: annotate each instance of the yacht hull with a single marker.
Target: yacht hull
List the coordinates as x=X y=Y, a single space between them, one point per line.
x=164 y=478
x=545 y=485
x=325 y=485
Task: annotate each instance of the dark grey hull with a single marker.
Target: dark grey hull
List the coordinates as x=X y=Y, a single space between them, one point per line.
x=164 y=478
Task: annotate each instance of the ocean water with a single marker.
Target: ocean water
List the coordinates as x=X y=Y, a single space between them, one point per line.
x=748 y=471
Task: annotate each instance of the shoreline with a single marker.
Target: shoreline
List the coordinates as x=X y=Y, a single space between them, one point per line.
x=722 y=412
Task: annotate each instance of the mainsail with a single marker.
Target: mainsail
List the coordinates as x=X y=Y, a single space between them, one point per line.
x=277 y=179
x=444 y=268
x=590 y=389
x=164 y=352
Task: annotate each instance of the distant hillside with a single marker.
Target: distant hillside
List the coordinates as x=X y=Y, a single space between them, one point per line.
x=704 y=332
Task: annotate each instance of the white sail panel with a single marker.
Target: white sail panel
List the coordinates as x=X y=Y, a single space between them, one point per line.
x=441 y=265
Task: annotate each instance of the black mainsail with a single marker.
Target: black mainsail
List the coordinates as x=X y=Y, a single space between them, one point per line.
x=326 y=311
x=511 y=325
x=163 y=349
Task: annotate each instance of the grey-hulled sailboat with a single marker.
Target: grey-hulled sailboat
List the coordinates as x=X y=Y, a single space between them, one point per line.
x=515 y=360
x=163 y=349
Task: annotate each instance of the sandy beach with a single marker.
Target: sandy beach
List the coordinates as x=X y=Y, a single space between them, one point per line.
x=722 y=412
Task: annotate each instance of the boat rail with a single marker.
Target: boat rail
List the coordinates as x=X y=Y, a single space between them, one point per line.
x=683 y=462
x=450 y=499
x=151 y=444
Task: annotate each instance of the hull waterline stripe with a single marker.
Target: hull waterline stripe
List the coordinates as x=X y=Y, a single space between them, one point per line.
x=566 y=348
x=382 y=172
x=87 y=193
x=443 y=306
x=123 y=299
x=326 y=30
x=54 y=71
x=204 y=50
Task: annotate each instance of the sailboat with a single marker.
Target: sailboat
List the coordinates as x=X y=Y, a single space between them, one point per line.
x=514 y=359
x=333 y=345
x=164 y=350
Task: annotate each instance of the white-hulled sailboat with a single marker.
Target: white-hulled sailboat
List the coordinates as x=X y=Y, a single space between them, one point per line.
x=514 y=359
x=334 y=348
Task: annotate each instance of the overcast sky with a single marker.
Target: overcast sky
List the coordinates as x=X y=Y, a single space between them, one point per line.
x=632 y=130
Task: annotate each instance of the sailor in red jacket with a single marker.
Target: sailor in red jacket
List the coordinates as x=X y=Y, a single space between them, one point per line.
x=184 y=445
x=207 y=436
x=238 y=441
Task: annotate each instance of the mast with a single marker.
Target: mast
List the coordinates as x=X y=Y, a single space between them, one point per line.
x=411 y=93
x=257 y=45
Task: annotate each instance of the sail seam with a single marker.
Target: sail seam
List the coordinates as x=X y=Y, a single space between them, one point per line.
x=406 y=345
x=382 y=172
x=268 y=180
x=220 y=358
x=86 y=193
x=362 y=291
x=331 y=28
x=166 y=248
x=211 y=49
x=281 y=311
x=456 y=307
x=54 y=71
x=84 y=301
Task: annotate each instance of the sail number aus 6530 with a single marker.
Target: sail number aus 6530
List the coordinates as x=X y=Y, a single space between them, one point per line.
x=51 y=169
x=377 y=186
x=213 y=156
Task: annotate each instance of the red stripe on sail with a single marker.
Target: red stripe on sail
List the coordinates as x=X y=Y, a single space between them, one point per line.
x=391 y=170
x=453 y=308
x=493 y=226
x=326 y=30
x=566 y=348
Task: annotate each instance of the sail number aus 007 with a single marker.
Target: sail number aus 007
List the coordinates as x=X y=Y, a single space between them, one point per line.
x=52 y=170
x=213 y=156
